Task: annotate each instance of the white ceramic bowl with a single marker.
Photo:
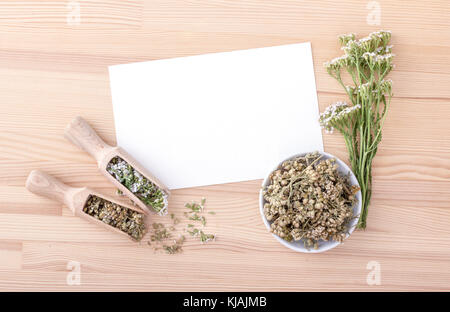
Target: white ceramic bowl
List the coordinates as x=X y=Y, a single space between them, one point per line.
x=323 y=245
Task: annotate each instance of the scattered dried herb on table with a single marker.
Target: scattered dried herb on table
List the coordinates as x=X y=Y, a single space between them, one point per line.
x=162 y=236
x=176 y=247
x=124 y=219
x=194 y=214
x=160 y=233
x=204 y=238
x=149 y=193
x=308 y=199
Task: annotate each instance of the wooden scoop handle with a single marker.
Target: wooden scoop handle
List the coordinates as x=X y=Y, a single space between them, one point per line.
x=80 y=133
x=43 y=184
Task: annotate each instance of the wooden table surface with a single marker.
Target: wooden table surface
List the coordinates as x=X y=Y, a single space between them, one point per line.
x=54 y=67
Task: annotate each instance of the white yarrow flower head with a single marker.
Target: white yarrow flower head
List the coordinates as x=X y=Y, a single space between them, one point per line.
x=353 y=47
x=384 y=61
x=350 y=89
x=336 y=114
x=386 y=86
x=370 y=58
x=365 y=89
x=336 y=63
x=368 y=44
x=381 y=37
x=345 y=38
x=384 y=50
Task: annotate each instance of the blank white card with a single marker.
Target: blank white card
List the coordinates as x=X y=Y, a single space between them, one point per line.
x=220 y=117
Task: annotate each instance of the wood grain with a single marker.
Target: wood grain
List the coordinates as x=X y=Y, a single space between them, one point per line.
x=52 y=71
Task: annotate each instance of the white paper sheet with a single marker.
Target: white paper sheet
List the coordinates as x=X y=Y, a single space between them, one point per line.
x=217 y=118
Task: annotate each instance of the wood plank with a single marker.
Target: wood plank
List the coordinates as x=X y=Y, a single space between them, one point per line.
x=11 y=255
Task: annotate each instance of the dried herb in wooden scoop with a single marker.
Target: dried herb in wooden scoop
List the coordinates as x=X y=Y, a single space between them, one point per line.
x=90 y=205
x=127 y=220
x=132 y=179
x=147 y=191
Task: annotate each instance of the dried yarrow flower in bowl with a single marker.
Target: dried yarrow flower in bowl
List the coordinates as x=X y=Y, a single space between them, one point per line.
x=311 y=202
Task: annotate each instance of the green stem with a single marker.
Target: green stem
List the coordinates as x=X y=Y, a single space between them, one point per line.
x=362 y=131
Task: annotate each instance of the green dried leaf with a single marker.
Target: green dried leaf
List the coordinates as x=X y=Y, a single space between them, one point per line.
x=148 y=192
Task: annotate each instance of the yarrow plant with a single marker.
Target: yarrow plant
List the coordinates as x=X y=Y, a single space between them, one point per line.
x=367 y=61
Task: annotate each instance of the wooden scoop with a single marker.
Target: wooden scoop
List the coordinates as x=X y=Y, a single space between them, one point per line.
x=81 y=134
x=43 y=184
